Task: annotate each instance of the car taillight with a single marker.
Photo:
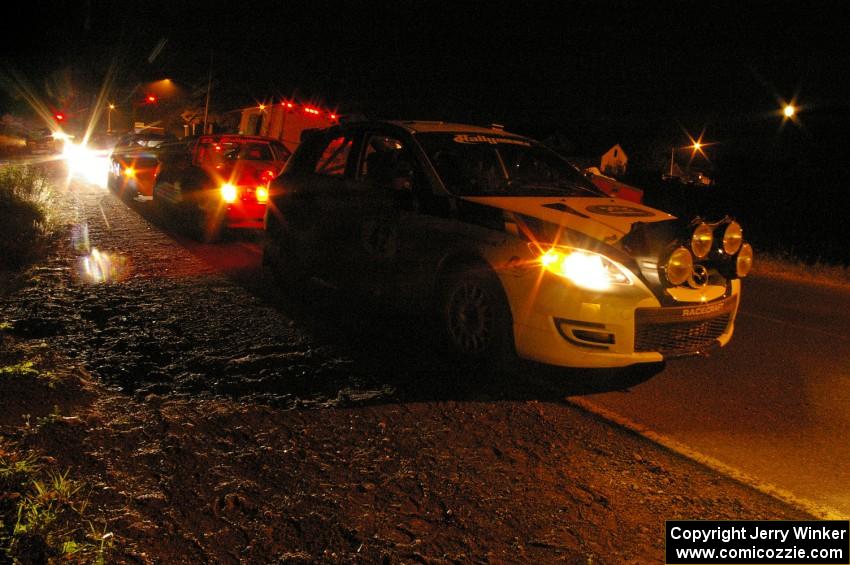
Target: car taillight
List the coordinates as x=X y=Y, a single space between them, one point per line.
x=266 y=176
x=262 y=194
x=229 y=193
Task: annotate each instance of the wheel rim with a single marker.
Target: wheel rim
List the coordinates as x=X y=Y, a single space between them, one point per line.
x=471 y=318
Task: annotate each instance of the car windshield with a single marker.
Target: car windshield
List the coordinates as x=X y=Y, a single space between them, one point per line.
x=474 y=164
x=247 y=151
x=143 y=140
x=39 y=134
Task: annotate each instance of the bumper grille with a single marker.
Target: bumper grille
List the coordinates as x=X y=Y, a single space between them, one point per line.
x=682 y=338
x=682 y=330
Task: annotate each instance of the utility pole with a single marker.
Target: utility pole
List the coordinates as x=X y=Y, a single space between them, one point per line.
x=672 y=152
x=209 y=86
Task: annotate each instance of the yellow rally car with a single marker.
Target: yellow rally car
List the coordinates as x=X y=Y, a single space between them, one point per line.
x=511 y=247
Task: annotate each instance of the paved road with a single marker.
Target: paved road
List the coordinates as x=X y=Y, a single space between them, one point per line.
x=775 y=404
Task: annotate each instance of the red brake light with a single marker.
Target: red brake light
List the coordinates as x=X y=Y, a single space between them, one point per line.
x=59 y=116
x=309 y=110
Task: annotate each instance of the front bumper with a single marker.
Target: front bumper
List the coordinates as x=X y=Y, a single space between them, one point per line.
x=559 y=324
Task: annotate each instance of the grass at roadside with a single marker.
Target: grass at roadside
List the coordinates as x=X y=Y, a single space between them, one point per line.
x=45 y=514
x=784 y=265
x=26 y=208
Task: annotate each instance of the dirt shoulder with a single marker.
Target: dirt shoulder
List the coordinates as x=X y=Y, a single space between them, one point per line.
x=187 y=481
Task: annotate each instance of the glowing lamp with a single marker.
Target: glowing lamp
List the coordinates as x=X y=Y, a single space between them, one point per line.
x=229 y=193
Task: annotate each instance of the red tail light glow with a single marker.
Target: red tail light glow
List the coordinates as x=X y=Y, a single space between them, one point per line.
x=266 y=176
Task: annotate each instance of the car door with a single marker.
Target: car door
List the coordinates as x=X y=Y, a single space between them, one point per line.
x=315 y=203
x=175 y=162
x=399 y=237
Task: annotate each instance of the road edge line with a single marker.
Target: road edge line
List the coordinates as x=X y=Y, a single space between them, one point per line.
x=815 y=509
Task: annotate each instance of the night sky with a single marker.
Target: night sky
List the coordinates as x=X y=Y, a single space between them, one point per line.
x=638 y=73
x=532 y=64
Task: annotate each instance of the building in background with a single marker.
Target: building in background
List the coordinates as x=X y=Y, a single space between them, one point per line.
x=614 y=162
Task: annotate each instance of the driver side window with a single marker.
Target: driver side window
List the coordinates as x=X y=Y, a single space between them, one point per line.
x=386 y=163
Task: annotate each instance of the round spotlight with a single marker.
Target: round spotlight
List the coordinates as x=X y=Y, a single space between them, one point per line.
x=744 y=263
x=733 y=237
x=701 y=241
x=680 y=265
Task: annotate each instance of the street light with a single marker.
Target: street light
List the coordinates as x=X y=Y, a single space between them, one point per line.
x=695 y=147
x=789 y=111
x=109 y=119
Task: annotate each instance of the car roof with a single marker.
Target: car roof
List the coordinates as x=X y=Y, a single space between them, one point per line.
x=147 y=135
x=421 y=126
x=235 y=136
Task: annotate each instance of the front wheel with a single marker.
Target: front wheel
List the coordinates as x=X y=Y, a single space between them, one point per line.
x=475 y=317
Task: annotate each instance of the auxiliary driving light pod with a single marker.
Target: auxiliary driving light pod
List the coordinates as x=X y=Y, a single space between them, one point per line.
x=701 y=241
x=680 y=265
x=733 y=237
x=744 y=262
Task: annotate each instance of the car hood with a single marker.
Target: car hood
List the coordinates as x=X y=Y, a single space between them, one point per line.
x=604 y=219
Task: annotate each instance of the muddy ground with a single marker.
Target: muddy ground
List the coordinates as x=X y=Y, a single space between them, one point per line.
x=215 y=418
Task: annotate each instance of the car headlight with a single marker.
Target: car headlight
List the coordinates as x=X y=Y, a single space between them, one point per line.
x=229 y=193
x=744 y=262
x=701 y=240
x=733 y=237
x=680 y=265
x=584 y=268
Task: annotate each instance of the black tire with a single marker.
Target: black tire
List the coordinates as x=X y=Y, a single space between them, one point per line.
x=204 y=226
x=112 y=182
x=474 y=317
x=160 y=205
x=279 y=256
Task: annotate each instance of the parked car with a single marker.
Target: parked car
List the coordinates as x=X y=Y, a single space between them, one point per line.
x=218 y=182
x=103 y=142
x=43 y=141
x=509 y=247
x=133 y=163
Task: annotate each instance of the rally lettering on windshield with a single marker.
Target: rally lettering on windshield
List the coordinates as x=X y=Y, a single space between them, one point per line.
x=492 y=140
